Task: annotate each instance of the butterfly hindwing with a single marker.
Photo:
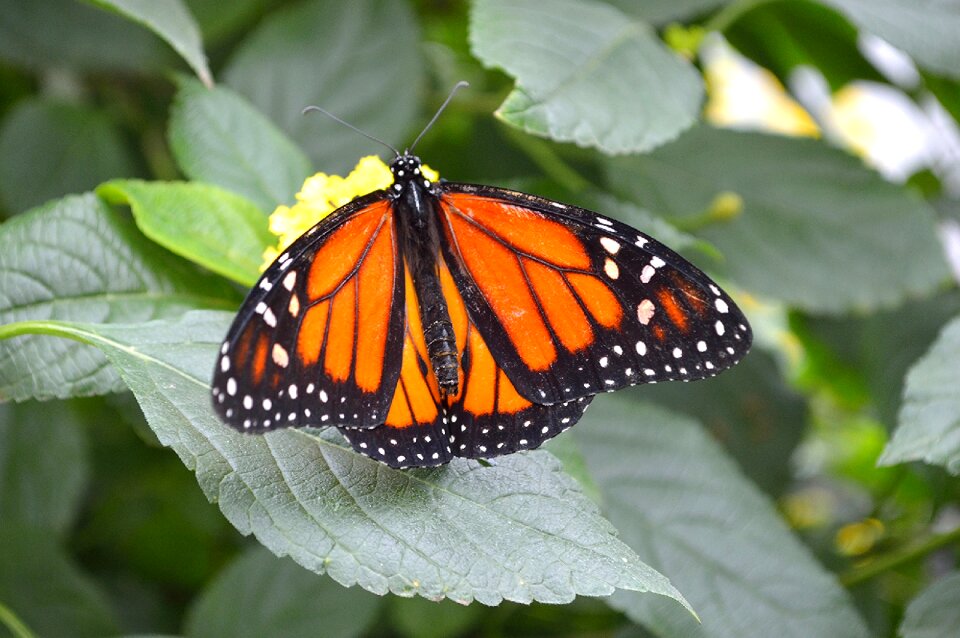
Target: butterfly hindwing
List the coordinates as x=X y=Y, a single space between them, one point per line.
x=318 y=340
x=572 y=304
x=487 y=417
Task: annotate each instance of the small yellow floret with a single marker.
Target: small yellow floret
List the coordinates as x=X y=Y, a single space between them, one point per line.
x=859 y=538
x=321 y=194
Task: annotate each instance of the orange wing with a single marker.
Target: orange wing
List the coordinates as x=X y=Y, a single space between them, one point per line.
x=571 y=304
x=486 y=418
x=298 y=353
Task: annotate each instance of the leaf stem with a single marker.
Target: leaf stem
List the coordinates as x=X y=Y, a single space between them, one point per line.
x=547 y=159
x=879 y=565
x=14 y=624
x=46 y=327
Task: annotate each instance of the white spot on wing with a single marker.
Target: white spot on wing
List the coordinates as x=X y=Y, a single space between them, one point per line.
x=280 y=356
x=290 y=279
x=269 y=318
x=647 y=273
x=610 y=267
x=645 y=311
x=610 y=244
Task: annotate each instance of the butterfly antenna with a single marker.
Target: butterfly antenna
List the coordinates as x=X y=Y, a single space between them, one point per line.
x=350 y=126
x=459 y=85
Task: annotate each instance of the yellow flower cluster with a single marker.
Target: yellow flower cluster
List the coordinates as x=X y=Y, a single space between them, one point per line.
x=321 y=194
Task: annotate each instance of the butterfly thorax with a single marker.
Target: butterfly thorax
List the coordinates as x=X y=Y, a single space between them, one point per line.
x=415 y=201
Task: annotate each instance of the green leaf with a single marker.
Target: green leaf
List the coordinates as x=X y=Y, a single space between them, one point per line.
x=751 y=411
x=421 y=618
x=513 y=529
x=49 y=149
x=585 y=73
x=262 y=595
x=782 y=36
x=926 y=30
x=217 y=137
x=682 y=503
x=935 y=613
x=664 y=11
x=171 y=20
x=45 y=590
x=206 y=224
x=75 y=259
x=929 y=423
x=817 y=229
x=43 y=465
x=845 y=349
x=359 y=60
x=72 y=35
x=219 y=20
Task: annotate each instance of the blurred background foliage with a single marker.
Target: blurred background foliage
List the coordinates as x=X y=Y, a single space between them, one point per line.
x=845 y=273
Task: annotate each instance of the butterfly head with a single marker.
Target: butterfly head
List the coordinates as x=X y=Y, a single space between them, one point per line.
x=407 y=169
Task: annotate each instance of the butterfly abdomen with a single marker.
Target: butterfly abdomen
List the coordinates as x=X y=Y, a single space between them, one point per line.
x=438 y=332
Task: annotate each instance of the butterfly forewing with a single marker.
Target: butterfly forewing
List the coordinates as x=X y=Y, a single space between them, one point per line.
x=318 y=340
x=572 y=304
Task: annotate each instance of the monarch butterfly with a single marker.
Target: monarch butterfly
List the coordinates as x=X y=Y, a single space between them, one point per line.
x=432 y=320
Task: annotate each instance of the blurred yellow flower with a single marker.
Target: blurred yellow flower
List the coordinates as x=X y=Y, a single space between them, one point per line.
x=744 y=95
x=321 y=194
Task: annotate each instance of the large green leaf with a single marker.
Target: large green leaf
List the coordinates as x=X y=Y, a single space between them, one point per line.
x=43 y=588
x=217 y=137
x=512 y=529
x=586 y=73
x=171 y=20
x=935 y=613
x=818 y=230
x=49 y=149
x=359 y=60
x=683 y=504
x=73 y=35
x=206 y=224
x=929 y=423
x=43 y=465
x=751 y=411
x=925 y=29
x=262 y=595
x=75 y=259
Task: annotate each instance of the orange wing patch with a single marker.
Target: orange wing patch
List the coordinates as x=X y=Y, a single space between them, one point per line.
x=339 y=256
x=534 y=274
x=525 y=230
x=498 y=272
x=416 y=398
x=351 y=276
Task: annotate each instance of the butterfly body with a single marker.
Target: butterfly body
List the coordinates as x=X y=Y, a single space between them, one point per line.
x=416 y=221
x=433 y=320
